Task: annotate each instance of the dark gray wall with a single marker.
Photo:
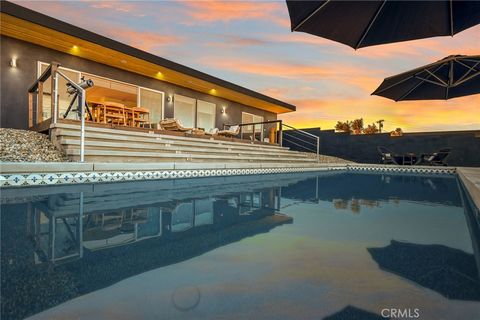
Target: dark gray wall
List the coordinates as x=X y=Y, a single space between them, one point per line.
x=16 y=81
x=363 y=148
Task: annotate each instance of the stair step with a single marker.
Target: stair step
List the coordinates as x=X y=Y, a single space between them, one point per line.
x=228 y=157
x=89 y=144
x=76 y=128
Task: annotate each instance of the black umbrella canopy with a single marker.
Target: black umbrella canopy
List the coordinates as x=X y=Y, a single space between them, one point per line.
x=452 y=77
x=367 y=23
x=451 y=272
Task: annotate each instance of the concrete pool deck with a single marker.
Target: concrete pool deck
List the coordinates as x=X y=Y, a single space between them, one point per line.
x=470 y=178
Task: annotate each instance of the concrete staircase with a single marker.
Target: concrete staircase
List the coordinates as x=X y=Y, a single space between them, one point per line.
x=117 y=145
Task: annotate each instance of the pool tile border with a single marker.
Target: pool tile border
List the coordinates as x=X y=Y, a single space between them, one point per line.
x=402 y=169
x=89 y=176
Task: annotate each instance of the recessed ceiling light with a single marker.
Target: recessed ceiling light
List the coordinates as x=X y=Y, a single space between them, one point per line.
x=123 y=61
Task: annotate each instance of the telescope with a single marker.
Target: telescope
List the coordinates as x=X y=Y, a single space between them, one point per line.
x=85 y=84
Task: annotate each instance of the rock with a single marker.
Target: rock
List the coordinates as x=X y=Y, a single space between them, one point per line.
x=28 y=146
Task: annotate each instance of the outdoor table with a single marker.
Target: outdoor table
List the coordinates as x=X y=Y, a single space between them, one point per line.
x=406 y=159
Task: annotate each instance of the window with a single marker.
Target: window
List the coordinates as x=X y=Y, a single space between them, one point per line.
x=104 y=89
x=250 y=118
x=110 y=90
x=184 y=110
x=205 y=115
x=63 y=97
x=152 y=100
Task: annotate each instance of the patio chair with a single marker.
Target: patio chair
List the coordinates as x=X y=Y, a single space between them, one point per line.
x=436 y=158
x=232 y=131
x=212 y=132
x=173 y=125
x=387 y=156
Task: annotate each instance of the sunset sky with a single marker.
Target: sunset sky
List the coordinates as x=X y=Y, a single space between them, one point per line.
x=250 y=44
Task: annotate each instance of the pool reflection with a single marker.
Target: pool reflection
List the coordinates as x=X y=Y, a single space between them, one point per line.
x=62 y=243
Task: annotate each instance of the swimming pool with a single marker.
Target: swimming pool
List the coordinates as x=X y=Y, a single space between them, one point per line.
x=332 y=245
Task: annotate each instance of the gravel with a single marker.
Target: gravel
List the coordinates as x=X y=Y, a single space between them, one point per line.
x=27 y=146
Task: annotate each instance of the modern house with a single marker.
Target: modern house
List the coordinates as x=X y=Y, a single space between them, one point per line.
x=132 y=89
x=31 y=41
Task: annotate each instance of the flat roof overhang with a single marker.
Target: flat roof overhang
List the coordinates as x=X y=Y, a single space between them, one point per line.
x=31 y=26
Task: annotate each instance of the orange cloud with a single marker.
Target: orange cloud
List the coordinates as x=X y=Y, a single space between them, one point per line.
x=143 y=40
x=364 y=78
x=226 y=11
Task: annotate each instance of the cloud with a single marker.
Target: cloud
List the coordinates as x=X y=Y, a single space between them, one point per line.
x=364 y=78
x=227 y=11
x=144 y=40
x=409 y=115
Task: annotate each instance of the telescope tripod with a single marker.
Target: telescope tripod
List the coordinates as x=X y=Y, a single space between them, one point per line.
x=79 y=111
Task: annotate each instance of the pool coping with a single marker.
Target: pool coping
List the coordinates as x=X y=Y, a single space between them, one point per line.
x=27 y=174
x=22 y=174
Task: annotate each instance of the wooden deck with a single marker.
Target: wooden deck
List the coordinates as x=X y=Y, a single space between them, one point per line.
x=45 y=126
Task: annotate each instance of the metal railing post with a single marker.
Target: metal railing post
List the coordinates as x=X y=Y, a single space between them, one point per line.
x=318 y=149
x=55 y=96
x=81 y=105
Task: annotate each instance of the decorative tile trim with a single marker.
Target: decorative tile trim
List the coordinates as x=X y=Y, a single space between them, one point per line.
x=403 y=169
x=36 y=179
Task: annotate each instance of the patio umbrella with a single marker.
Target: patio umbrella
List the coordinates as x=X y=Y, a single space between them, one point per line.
x=351 y=312
x=367 y=23
x=450 y=272
x=451 y=77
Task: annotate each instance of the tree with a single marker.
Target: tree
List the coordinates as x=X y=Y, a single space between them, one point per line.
x=371 y=129
x=397 y=133
x=357 y=126
x=344 y=126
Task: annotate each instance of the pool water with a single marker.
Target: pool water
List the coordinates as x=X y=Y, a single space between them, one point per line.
x=326 y=245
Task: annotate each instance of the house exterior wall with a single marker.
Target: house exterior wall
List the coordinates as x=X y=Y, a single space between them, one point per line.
x=15 y=82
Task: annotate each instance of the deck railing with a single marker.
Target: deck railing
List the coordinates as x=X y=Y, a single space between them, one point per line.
x=279 y=132
x=36 y=90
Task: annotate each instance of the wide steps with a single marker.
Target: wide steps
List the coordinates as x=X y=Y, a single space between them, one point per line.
x=146 y=146
x=120 y=145
x=72 y=130
x=133 y=156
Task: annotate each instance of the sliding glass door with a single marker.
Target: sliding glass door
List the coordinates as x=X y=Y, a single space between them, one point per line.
x=205 y=115
x=184 y=110
x=153 y=101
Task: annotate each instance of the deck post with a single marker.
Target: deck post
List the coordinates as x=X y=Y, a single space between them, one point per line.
x=318 y=149
x=40 y=102
x=280 y=133
x=30 y=109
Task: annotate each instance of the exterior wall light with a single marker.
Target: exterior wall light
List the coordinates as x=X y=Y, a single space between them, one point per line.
x=224 y=111
x=169 y=98
x=13 y=63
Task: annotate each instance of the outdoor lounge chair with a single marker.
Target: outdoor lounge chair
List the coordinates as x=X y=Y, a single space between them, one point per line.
x=173 y=125
x=436 y=158
x=230 y=132
x=212 y=132
x=387 y=156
